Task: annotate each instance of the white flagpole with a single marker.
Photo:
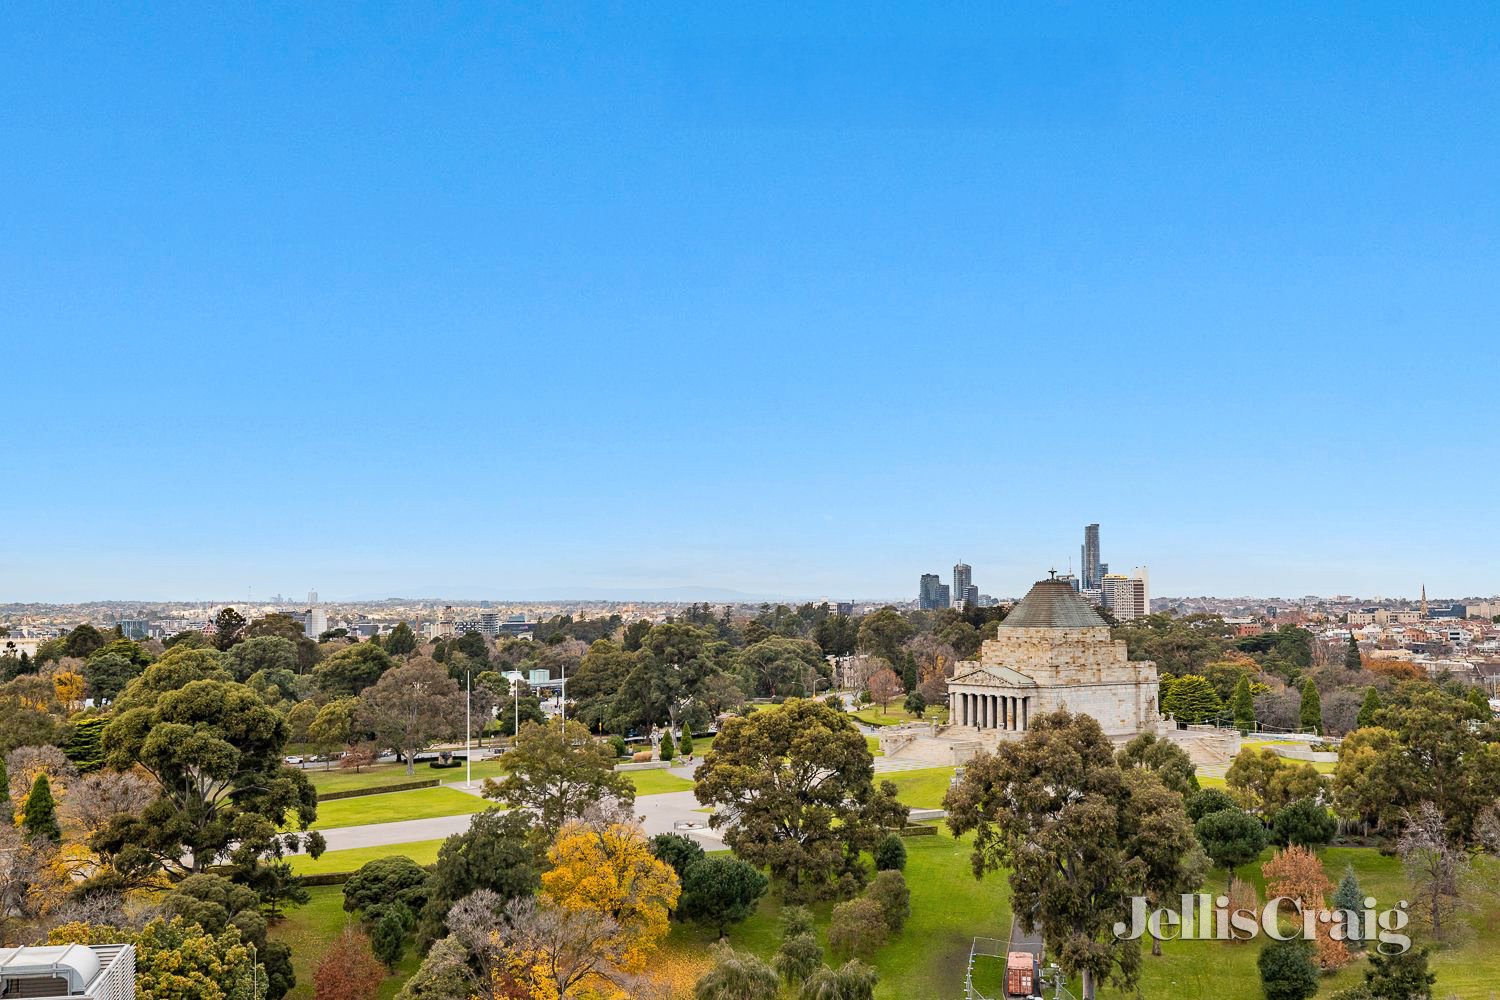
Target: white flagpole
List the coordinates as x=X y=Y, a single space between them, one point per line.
x=469 y=729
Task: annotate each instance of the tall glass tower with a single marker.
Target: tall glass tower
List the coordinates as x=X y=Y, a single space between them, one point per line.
x=1092 y=572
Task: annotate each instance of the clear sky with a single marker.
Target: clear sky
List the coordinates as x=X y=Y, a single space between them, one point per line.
x=491 y=299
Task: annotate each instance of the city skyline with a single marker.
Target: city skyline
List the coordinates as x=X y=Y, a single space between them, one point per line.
x=493 y=317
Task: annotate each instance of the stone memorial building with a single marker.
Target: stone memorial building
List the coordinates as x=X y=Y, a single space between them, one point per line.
x=1053 y=651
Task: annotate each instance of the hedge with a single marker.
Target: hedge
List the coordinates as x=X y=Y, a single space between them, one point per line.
x=404 y=786
x=919 y=831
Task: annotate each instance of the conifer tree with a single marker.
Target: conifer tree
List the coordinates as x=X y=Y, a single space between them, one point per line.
x=40 y=815
x=1242 y=705
x=1372 y=704
x=1350 y=898
x=1312 y=707
x=1352 y=659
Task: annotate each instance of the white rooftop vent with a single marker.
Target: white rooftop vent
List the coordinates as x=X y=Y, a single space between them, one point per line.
x=75 y=964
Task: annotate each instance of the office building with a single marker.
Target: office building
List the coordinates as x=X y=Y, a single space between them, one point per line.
x=963 y=580
x=1092 y=572
x=1125 y=597
x=932 y=593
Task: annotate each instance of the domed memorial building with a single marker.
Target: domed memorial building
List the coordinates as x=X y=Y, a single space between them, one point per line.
x=1052 y=651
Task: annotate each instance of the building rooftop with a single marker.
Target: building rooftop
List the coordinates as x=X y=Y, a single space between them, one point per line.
x=1053 y=604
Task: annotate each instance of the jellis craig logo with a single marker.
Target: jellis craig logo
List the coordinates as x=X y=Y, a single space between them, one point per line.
x=1203 y=917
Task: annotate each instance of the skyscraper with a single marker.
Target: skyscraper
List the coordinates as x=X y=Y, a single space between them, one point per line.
x=930 y=595
x=1092 y=573
x=963 y=582
x=1126 y=597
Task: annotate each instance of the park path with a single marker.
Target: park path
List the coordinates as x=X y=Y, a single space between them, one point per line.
x=665 y=812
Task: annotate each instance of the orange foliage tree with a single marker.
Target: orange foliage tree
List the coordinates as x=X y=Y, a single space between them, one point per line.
x=349 y=970
x=1297 y=873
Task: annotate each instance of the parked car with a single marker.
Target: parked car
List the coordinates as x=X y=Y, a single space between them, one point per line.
x=291 y=760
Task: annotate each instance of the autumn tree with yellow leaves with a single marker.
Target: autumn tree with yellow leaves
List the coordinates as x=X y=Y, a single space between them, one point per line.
x=605 y=866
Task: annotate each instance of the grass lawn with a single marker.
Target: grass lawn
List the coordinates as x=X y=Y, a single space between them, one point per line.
x=308 y=930
x=927 y=960
x=656 y=781
x=949 y=908
x=335 y=780
x=873 y=742
x=423 y=852
x=388 y=807
x=921 y=789
x=894 y=714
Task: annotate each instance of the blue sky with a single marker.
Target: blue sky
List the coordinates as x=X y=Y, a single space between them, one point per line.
x=489 y=300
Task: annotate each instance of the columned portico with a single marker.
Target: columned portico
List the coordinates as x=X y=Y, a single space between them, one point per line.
x=982 y=706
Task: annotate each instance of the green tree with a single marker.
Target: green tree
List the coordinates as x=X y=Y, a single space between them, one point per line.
x=1304 y=822
x=1287 y=970
x=666 y=750
x=351 y=669
x=557 y=772
x=798 y=782
x=778 y=666
x=410 y=707
x=1056 y=810
x=383 y=881
x=39 y=818
x=854 y=980
x=494 y=853
x=915 y=704
x=177 y=960
x=884 y=633
x=401 y=641
x=686 y=746
x=7 y=808
x=858 y=928
x=1399 y=977
x=737 y=976
x=890 y=892
x=228 y=624
x=107 y=673
x=798 y=957
x=1242 y=705
x=215 y=751
x=1349 y=897
x=890 y=855
x=1165 y=759
x=677 y=850
x=1231 y=837
x=1192 y=699
x=1352 y=659
x=1311 y=712
x=1369 y=708
x=675 y=665
x=83 y=641
x=720 y=891
x=262 y=652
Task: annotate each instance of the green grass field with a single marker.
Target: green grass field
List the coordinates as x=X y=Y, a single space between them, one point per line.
x=389 y=807
x=920 y=789
x=657 y=781
x=894 y=714
x=308 y=929
x=423 y=852
x=335 y=780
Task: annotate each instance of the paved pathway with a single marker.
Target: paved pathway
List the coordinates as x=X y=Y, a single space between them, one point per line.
x=667 y=812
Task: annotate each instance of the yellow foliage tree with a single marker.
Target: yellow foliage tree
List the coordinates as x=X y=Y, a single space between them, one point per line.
x=69 y=687
x=608 y=868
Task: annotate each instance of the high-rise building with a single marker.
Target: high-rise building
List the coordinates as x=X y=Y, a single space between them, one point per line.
x=317 y=618
x=1091 y=571
x=932 y=593
x=970 y=596
x=1125 y=597
x=963 y=579
x=945 y=596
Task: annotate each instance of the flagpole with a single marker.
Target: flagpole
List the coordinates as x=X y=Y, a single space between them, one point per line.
x=469 y=729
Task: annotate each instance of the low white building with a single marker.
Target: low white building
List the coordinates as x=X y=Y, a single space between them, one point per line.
x=69 y=972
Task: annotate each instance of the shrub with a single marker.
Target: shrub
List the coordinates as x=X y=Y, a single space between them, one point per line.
x=890 y=854
x=668 y=750
x=396 y=879
x=617 y=742
x=859 y=928
x=1303 y=822
x=889 y=890
x=641 y=756
x=677 y=850
x=686 y=746
x=1287 y=971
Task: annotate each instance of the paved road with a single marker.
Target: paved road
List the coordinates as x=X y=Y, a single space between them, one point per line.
x=667 y=812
